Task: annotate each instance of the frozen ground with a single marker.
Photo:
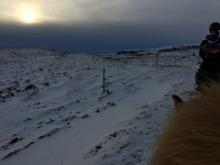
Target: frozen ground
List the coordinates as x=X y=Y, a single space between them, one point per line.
x=53 y=111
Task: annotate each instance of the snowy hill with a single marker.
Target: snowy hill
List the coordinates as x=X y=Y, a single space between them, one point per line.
x=53 y=111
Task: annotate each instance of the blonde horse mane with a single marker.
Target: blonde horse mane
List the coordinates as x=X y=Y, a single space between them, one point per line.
x=191 y=136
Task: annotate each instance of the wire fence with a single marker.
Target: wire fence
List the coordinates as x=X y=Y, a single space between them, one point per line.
x=182 y=59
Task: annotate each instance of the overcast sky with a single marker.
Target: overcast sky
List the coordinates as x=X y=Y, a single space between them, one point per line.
x=104 y=25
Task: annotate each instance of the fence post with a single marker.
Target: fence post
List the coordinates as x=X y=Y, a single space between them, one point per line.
x=103 y=81
x=157 y=56
x=175 y=61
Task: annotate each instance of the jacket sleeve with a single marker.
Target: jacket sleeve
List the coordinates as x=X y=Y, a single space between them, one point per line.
x=203 y=50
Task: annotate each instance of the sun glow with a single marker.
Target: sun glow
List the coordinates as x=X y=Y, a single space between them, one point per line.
x=28 y=16
x=28 y=13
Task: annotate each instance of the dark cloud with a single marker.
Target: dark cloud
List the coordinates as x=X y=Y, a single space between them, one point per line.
x=96 y=38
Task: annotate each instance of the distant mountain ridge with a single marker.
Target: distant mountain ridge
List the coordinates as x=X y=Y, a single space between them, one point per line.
x=159 y=50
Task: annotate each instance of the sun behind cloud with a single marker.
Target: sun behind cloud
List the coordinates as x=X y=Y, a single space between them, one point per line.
x=28 y=16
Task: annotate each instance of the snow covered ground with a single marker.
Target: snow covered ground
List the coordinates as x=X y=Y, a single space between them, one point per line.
x=53 y=111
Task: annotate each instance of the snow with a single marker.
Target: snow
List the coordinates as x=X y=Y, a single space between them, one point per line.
x=53 y=111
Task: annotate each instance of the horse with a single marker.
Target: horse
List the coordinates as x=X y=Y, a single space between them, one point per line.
x=191 y=135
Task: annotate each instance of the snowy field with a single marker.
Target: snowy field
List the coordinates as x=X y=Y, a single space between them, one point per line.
x=53 y=110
